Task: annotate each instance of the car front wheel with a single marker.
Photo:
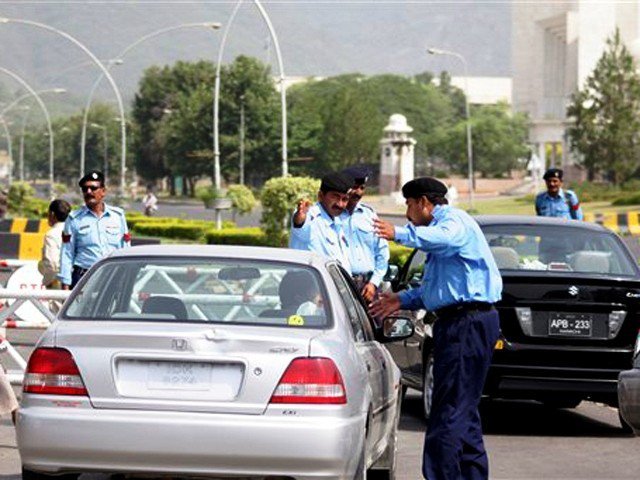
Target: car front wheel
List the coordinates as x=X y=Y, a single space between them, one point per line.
x=32 y=475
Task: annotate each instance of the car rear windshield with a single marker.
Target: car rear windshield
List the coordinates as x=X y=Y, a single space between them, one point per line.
x=186 y=290
x=558 y=248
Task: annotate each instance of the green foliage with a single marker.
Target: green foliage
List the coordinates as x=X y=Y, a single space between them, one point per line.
x=237 y=236
x=594 y=191
x=499 y=140
x=279 y=198
x=398 y=254
x=18 y=193
x=206 y=194
x=173 y=114
x=627 y=199
x=242 y=198
x=172 y=230
x=607 y=115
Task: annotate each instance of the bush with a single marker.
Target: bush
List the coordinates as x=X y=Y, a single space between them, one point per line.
x=398 y=254
x=627 y=199
x=242 y=198
x=19 y=192
x=279 y=198
x=252 y=236
x=206 y=194
x=172 y=230
x=594 y=192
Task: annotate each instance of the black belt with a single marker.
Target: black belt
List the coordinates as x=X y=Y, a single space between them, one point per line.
x=80 y=270
x=452 y=310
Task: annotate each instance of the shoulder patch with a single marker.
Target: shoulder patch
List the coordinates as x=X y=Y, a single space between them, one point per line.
x=367 y=207
x=75 y=213
x=117 y=210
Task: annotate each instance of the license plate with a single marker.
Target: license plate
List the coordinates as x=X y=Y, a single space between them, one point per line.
x=570 y=325
x=179 y=376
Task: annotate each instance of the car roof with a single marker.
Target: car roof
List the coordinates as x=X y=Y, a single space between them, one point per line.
x=485 y=220
x=223 y=251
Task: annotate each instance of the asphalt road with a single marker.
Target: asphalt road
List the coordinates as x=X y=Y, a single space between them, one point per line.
x=524 y=441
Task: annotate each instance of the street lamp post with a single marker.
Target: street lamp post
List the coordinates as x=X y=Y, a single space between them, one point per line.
x=100 y=65
x=242 y=140
x=7 y=134
x=437 y=51
x=118 y=61
x=25 y=85
x=105 y=167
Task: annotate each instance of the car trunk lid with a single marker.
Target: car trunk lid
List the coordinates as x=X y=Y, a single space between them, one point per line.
x=185 y=367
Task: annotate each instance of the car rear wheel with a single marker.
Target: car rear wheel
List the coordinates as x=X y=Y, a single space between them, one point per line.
x=427 y=386
x=32 y=475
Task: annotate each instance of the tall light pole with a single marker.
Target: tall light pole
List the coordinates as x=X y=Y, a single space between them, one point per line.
x=7 y=134
x=105 y=167
x=99 y=64
x=437 y=51
x=43 y=107
x=118 y=61
x=241 y=139
x=216 y=93
x=24 y=121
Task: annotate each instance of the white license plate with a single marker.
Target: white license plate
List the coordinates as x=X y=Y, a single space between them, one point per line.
x=179 y=376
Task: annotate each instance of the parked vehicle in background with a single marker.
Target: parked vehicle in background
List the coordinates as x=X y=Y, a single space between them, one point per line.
x=569 y=313
x=217 y=361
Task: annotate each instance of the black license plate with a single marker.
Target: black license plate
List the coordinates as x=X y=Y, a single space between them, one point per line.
x=570 y=324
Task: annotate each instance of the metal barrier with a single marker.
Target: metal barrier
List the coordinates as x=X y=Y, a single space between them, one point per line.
x=21 y=297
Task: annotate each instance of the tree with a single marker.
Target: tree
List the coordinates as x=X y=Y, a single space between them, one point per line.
x=606 y=112
x=499 y=140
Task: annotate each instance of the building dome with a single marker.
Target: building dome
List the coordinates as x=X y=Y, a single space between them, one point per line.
x=398 y=124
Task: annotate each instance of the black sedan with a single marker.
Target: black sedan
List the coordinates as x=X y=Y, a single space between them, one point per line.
x=569 y=313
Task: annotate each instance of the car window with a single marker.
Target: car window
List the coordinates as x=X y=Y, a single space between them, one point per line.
x=557 y=248
x=357 y=316
x=202 y=290
x=416 y=267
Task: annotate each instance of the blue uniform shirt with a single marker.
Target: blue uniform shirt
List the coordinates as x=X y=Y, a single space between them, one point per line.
x=565 y=205
x=367 y=251
x=87 y=238
x=460 y=266
x=322 y=234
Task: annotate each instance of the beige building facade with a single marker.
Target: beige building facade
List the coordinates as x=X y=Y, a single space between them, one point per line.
x=555 y=47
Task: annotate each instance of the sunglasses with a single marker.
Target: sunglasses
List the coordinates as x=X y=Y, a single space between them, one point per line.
x=90 y=188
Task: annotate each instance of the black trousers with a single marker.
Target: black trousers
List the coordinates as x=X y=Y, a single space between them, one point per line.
x=76 y=274
x=464 y=340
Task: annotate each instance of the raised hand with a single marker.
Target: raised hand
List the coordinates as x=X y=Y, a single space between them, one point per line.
x=300 y=216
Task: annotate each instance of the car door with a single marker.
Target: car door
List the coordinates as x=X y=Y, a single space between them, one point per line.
x=366 y=346
x=413 y=347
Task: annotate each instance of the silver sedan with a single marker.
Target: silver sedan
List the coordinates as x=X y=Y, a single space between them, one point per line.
x=215 y=361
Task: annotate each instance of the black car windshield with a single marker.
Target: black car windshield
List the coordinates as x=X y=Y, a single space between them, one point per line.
x=558 y=248
x=202 y=290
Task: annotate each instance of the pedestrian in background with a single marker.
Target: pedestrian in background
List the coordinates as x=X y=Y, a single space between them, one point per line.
x=368 y=253
x=91 y=232
x=460 y=284
x=8 y=401
x=319 y=227
x=49 y=265
x=150 y=202
x=556 y=202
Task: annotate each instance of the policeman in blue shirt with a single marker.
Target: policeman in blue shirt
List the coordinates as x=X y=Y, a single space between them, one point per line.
x=460 y=284
x=556 y=202
x=319 y=227
x=368 y=253
x=91 y=232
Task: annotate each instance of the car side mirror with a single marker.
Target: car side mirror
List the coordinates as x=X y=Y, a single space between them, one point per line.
x=395 y=329
x=416 y=280
x=392 y=273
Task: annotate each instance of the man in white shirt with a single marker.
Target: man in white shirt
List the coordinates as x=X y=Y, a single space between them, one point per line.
x=49 y=266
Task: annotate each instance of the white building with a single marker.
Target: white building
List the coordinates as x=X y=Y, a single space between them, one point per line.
x=555 y=47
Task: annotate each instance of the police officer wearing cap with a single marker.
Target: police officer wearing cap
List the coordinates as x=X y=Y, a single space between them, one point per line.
x=319 y=227
x=91 y=232
x=461 y=282
x=556 y=202
x=368 y=253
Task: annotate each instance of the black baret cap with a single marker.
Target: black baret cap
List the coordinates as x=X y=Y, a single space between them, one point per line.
x=336 y=182
x=423 y=186
x=359 y=173
x=92 y=176
x=553 y=173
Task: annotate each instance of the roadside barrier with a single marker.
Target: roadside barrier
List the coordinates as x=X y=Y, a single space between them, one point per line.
x=622 y=223
x=10 y=301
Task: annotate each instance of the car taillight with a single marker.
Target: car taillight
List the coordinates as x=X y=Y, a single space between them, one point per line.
x=53 y=371
x=311 y=380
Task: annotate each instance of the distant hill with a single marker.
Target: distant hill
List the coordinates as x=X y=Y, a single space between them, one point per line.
x=317 y=38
